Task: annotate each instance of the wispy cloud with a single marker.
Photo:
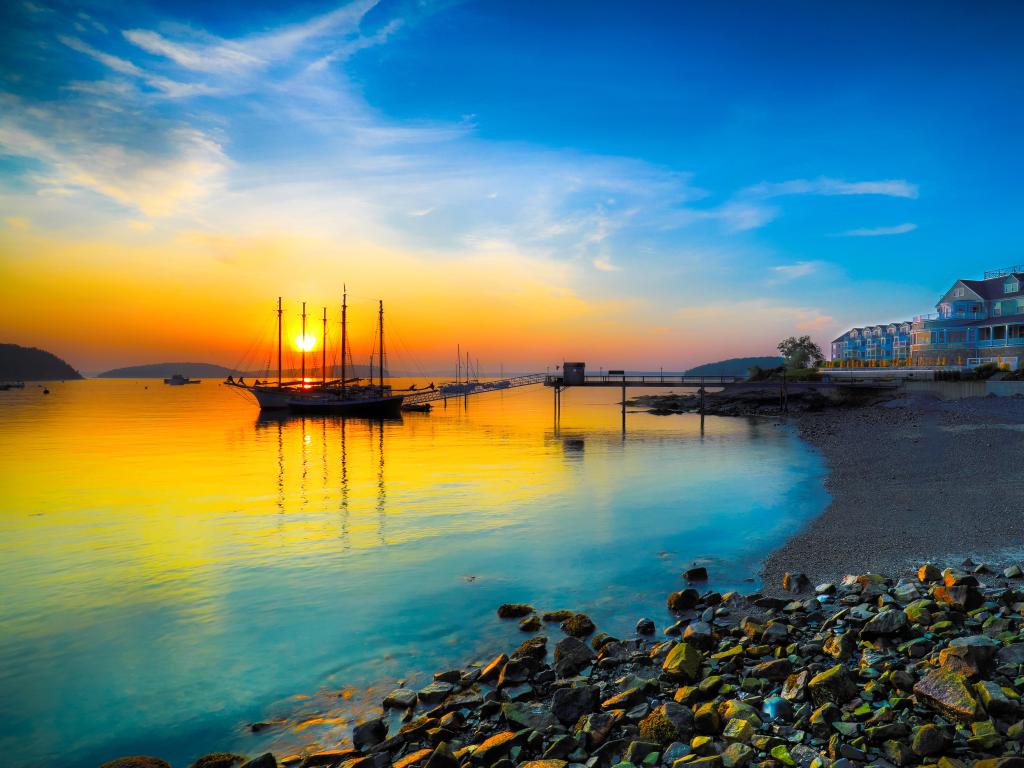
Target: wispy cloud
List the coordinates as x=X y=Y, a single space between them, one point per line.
x=784 y=273
x=155 y=180
x=604 y=264
x=201 y=52
x=899 y=229
x=828 y=186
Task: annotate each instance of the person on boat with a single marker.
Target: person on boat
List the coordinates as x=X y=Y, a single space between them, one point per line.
x=230 y=380
x=412 y=386
x=241 y=380
x=432 y=387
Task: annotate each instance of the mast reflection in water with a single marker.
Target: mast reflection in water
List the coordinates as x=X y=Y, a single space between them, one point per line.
x=177 y=570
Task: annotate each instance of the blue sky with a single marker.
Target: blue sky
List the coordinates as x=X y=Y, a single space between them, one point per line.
x=683 y=169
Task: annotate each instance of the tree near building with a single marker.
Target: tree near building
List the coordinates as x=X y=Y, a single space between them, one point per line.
x=800 y=352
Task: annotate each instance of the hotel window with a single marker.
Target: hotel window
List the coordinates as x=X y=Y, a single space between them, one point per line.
x=1011 y=286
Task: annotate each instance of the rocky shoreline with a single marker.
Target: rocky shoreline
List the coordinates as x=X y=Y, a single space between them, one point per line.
x=926 y=670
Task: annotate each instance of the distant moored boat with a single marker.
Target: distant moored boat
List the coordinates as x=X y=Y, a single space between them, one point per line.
x=177 y=380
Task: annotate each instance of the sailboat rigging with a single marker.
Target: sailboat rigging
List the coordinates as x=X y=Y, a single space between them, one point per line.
x=342 y=396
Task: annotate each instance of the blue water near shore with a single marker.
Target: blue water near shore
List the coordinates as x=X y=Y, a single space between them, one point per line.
x=175 y=568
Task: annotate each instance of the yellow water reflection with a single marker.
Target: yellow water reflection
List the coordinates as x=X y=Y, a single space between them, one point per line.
x=205 y=563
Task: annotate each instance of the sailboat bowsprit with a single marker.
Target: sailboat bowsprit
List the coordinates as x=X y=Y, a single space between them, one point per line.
x=345 y=396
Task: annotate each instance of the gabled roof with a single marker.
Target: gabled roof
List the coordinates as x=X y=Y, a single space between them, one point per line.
x=862 y=328
x=993 y=287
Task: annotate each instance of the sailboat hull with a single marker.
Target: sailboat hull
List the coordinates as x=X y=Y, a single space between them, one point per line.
x=330 y=401
x=390 y=405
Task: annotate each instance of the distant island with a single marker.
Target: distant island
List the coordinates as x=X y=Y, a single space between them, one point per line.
x=166 y=370
x=735 y=366
x=19 y=363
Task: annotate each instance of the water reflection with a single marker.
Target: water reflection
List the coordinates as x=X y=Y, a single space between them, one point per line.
x=179 y=568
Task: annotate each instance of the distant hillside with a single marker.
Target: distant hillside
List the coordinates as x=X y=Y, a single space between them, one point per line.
x=736 y=366
x=19 y=363
x=166 y=370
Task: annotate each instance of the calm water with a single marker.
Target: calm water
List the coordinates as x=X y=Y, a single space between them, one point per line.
x=175 y=568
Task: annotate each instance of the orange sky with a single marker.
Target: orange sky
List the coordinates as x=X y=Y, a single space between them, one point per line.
x=135 y=298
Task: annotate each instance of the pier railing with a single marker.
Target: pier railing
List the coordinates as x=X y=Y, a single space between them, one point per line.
x=472 y=388
x=642 y=380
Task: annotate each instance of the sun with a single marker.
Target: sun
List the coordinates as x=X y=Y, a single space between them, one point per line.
x=306 y=342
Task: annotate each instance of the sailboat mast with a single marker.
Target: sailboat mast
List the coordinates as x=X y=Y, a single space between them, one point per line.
x=344 y=337
x=303 y=343
x=380 y=322
x=458 y=364
x=323 y=353
x=279 y=341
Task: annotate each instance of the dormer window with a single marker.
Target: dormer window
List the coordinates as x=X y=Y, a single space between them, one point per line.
x=1011 y=285
x=958 y=292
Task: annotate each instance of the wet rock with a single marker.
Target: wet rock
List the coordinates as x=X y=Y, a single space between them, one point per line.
x=737 y=755
x=413 y=758
x=928 y=573
x=544 y=764
x=795 y=582
x=832 y=685
x=136 y=761
x=442 y=757
x=435 y=692
x=885 y=623
x=994 y=699
x=966 y=598
x=571 y=656
x=947 y=693
x=530 y=624
x=266 y=760
x=1011 y=655
x=683 y=600
x=776 y=670
x=554 y=617
x=734 y=708
x=699 y=573
x=570 y=704
x=706 y=719
x=1013 y=572
x=219 y=760
x=840 y=646
x=332 y=757
x=401 y=698
x=669 y=722
x=638 y=750
x=594 y=728
x=495 y=747
x=971 y=655
x=928 y=740
x=795 y=687
x=645 y=627
x=535 y=648
x=578 y=625
x=683 y=663
x=514 y=610
x=370 y=733
x=493 y=668
x=532 y=715
x=699 y=634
